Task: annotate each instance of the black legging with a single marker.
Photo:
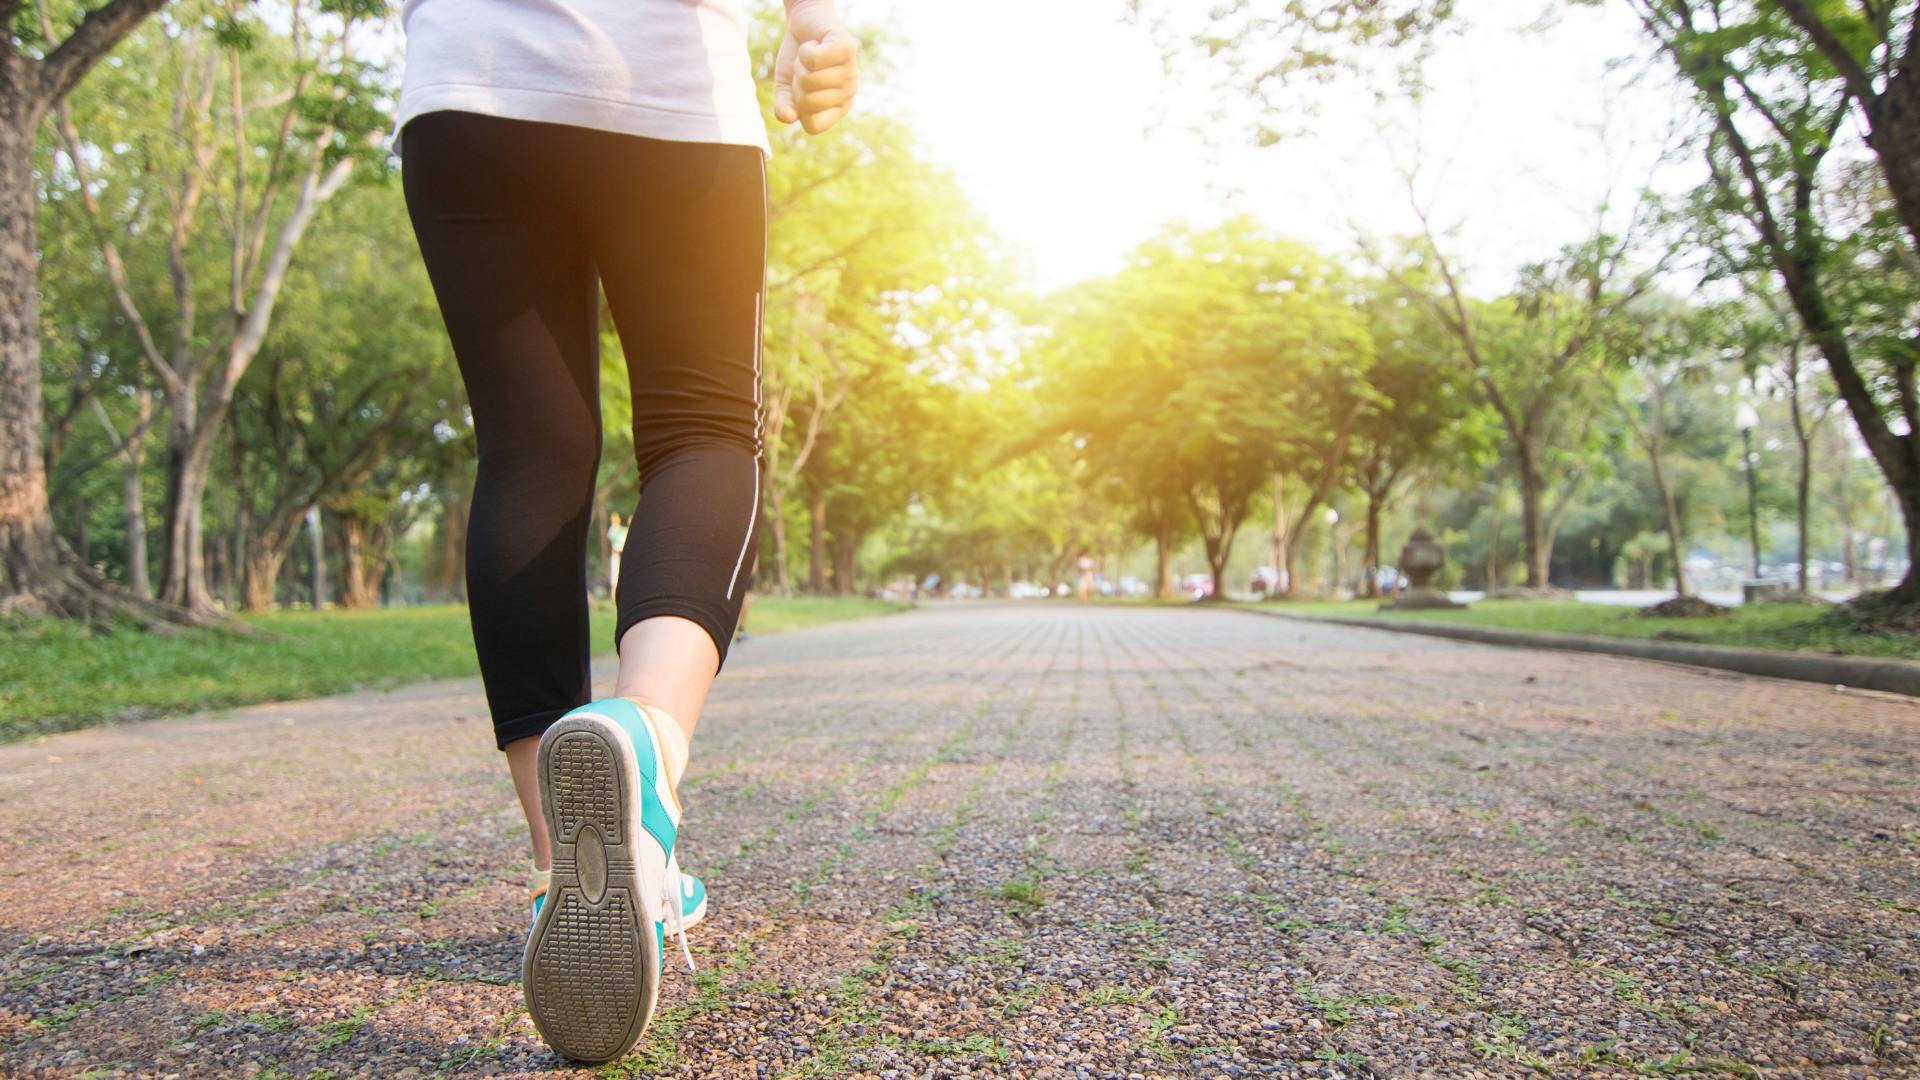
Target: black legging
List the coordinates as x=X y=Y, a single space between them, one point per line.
x=520 y=224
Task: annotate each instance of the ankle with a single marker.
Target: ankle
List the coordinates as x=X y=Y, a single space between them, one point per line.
x=671 y=738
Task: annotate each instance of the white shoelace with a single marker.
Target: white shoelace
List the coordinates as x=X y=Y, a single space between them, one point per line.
x=673 y=906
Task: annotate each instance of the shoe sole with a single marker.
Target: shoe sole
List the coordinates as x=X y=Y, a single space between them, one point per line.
x=591 y=973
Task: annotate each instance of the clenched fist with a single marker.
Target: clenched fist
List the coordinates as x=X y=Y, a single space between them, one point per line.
x=818 y=69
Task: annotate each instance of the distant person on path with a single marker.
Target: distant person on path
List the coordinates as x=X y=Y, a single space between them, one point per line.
x=554 y=150
x=1086 y=577
x=617 y=546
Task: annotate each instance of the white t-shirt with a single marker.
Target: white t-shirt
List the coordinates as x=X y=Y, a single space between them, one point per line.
x=665 y=69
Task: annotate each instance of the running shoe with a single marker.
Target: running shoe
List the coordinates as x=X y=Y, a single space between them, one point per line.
x=591 y=973
x=692 y=895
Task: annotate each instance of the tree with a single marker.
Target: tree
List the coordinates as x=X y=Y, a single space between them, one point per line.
x=353 y=393
x=1213 y=357
x=37 y=71
x=1661 y=353
x=1779 y=83
x=1421 y=419
x=255 y=118
x=1528 y=354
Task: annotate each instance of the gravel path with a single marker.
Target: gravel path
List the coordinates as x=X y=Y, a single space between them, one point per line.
x=1032 y=841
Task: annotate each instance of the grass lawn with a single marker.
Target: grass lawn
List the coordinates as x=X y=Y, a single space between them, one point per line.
x=1762 y=626
x=55 y=676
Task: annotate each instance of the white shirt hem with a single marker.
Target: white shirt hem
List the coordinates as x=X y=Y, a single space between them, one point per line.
x=579 y=110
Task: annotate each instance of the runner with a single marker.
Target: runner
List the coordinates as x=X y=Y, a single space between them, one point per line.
x=552 y=150
x=1086 y=577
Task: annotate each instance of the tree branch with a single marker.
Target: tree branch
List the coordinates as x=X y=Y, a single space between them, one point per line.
x=96 y=35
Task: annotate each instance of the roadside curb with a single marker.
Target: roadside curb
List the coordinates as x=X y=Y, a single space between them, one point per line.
x=1858 y=672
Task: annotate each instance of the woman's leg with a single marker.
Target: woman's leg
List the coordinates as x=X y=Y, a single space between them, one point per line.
x=516 y=287
x=681 y=259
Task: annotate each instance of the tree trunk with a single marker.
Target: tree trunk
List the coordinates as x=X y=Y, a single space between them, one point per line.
x=1493 y=541
x=1672 y=511
x=134 y=456
x=817 y=549
x=1533 y=485
x=1371 y=558
x=37 y=573
x=319 y=556
x=846 y=549
x=1163 y=555
x=1280 y=532
x=263 y=563
x=1803 y=488
x=362 y=570
x=777 y=522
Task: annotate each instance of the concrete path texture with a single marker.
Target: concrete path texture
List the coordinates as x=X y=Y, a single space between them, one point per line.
x=1020 y=841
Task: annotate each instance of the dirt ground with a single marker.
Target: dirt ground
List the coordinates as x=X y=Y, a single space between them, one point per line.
x=1021 y=841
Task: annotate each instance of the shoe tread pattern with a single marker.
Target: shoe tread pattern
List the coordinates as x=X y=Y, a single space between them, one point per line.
x=583 y=975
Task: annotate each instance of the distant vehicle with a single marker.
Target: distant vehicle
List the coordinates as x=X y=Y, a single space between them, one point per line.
x=1197 y=586
x=1133 y=586
x=1266 y=581
x=1027 y=590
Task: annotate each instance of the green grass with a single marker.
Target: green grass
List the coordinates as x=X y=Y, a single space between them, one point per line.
x=55 y=676
x=1761 y=626
x=773 y=614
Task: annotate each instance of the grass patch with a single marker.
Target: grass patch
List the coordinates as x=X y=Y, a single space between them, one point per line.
x=1756 y=626
x=57 y=676
x=775 y=614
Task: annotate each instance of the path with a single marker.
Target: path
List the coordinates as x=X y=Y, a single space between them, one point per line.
x=1032 y=841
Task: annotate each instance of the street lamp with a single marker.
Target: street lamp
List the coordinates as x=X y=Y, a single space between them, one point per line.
x=1746 y=419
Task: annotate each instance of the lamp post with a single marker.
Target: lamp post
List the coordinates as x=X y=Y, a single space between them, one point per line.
x=1746 y=419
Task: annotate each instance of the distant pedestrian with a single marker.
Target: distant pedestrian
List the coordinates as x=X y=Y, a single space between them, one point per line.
x=616 y=545
x=555 y=151
x=1086 y=577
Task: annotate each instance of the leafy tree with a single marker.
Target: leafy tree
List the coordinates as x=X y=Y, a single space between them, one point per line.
x=1662 y=349
x=41 y=61
x=1212 y=358
x=1423 y=421
x=200 y=163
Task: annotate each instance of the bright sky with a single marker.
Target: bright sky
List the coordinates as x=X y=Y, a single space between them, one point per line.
x=1044 y=110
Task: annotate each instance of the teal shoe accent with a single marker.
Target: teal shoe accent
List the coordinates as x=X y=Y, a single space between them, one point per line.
x=693 y=900
x=653 y=809
x=538 y=902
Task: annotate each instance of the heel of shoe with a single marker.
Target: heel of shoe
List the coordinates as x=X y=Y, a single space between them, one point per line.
x=592 y=964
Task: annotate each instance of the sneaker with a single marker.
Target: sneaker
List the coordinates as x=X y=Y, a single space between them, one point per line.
x=591 y=973
x=693 y=895
x=542 y=880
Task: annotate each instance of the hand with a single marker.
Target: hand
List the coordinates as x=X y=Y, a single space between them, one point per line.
x=818 y=69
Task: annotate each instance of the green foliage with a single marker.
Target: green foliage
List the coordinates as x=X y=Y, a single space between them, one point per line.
x=57 y=675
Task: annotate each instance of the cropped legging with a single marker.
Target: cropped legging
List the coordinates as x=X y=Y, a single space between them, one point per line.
x=521 y=225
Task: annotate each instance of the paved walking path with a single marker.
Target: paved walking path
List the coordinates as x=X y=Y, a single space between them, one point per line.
x=1027 y=840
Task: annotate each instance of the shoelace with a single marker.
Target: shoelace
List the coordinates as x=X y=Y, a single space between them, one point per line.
x=673 y=906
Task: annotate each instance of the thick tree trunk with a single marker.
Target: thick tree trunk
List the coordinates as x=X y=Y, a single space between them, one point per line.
x=1533 y=486
x=38 y=574
x=362 y=571
x=845 y=552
